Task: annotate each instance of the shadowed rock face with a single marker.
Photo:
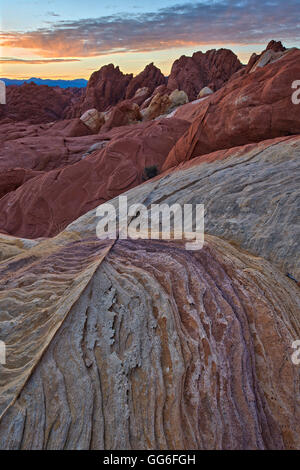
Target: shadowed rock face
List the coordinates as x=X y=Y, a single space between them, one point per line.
x=251 y=108
x=212 y=68
x=151 y=77
x=122 y=114
x=42 y=148
x=11 y=179
x=45 y=206
x=38 y=104
x=105 y=88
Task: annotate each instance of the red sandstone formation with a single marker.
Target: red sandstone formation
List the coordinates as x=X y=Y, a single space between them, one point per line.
x=198 y=342
x=122 y=114
x=250 y=108
x=151 y=77
x=43 y=148
x=38 y=104
x=109 y=86
x=105 y=88
x=274 y=47
x=212 y=68
x=44 y=206
x=143 y=345
x=11 y=179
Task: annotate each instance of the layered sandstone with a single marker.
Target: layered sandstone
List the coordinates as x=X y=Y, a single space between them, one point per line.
x=250 y=108
x=199 y=343
x=116 y=343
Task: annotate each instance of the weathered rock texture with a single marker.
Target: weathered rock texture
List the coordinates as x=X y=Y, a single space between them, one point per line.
x=92 y=119
x=44 y=149
x=105 y=88
x=13 y=178
x=151 y=77
x=162 y=104
x=38 y=103
x=144 y=345
x=251 y=195
x=205 y=92
x=251 y=108
x=122 y=114
x=212 y=68
x=56 y=198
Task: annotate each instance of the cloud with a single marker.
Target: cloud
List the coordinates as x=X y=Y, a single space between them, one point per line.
x=222 y=21
x=52 y=13
x=13 y=60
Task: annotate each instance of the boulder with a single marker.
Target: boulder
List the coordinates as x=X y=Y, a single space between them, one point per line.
x=93 y=120
x=164 y=104
x=122 y=114
x=206 y=91
x=79 y=129
x=142 y=92
x=177 y=98
x=158 y=106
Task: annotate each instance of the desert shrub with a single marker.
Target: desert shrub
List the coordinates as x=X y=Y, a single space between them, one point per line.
x=150 y=172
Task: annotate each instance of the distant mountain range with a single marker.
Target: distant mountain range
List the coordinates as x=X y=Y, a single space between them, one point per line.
x=77 y=83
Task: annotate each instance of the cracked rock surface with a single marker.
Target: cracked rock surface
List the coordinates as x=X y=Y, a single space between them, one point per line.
x=141 y=344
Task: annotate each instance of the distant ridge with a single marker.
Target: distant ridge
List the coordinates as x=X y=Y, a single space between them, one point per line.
x=77 y=83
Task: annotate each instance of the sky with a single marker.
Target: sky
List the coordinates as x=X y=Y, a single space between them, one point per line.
x=72 y=38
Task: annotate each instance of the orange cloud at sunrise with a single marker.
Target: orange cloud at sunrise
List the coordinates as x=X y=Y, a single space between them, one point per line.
x=74 y=48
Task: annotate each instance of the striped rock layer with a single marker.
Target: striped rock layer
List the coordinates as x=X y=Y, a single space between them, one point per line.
x=120 y=344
